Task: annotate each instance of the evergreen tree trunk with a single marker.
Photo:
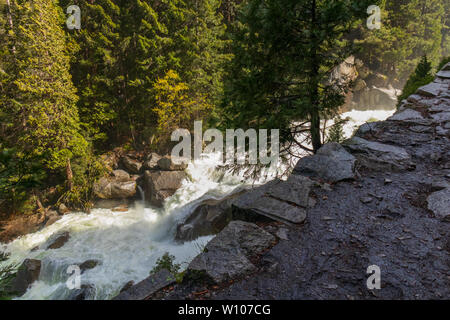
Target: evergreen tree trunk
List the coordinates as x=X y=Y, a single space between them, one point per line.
x=313 y=79
x=10 y=21
x=69 y=175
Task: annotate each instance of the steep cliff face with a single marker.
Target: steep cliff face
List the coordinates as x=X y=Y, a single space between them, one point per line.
x=382 y=198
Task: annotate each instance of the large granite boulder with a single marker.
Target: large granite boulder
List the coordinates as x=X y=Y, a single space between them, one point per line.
x=168 y=163
x=160 y=185
x=147 y=287
x=151 y=163
x=19 y=283
x=88 y=265
x=119 y=185
x=229 y=254
x=283 y=201
x=131 y=165
x=210 y=217
x=332 y=163
x=58 y=240
x=378 y=156
x=439 y=203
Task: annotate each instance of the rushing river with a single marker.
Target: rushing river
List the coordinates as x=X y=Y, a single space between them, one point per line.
x=128 y=244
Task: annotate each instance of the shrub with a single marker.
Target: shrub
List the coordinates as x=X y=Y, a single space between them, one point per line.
x=421 y=76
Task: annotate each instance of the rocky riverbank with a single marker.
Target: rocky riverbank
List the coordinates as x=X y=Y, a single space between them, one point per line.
x=381 y=198
x=129 y=177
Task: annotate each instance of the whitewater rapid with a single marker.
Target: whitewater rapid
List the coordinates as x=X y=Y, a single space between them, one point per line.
x=128 y=244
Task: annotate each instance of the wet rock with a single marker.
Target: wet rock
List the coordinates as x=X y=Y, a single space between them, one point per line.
x=115 y=188
x=102 y=188
x=131 y=165
x=370 y=127
x=23 y=225
x=111 y=203
x=168 y=163
x=282 y=234
x=88 y=265
x=377 y=156
x=366 y=200
x=62 y=209
x=152 y=162
x=160 y=185
x=284 y=201
x=421 y=129
x=441 y=131
x=147 y=287
x=431 y=90
x=441 y=117
x=439 y=184
x=121 y=208
x=442 y=106
x=445 y=74
x=127 y=286
x=409 y=116
x=59 y=240
x=123 y=190
x=51 y=217
x=415 y=98
x=26 y=275
x=121 y=176
x=86 y=292
x=228 y=255
x=439 y=203
x=209 y=218
x=331 y=163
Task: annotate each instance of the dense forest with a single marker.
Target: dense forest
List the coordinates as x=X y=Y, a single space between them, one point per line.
x=138 y=69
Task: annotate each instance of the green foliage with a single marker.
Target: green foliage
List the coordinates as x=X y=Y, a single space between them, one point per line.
x=421 y=76
x=284 y=53
x=336 y=132
x=125 y=46
x=166 y=262
x=86 y=172
x=41 y=133
x=175 y=107
x=19 y=174
x=37 y=95
x=410 y=29
x=7 y=274
x=443 y=62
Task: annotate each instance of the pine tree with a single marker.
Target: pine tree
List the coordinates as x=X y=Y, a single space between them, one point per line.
x=421 y=76
x=125 y=46
x=284 y=53
x=95 y=65
x=37 y=96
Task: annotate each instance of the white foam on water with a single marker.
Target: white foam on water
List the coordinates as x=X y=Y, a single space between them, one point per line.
x=358 y=118
x=127 y=244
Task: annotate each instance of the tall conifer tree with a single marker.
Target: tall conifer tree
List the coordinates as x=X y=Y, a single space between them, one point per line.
x=37 y=97
x=284 y=54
